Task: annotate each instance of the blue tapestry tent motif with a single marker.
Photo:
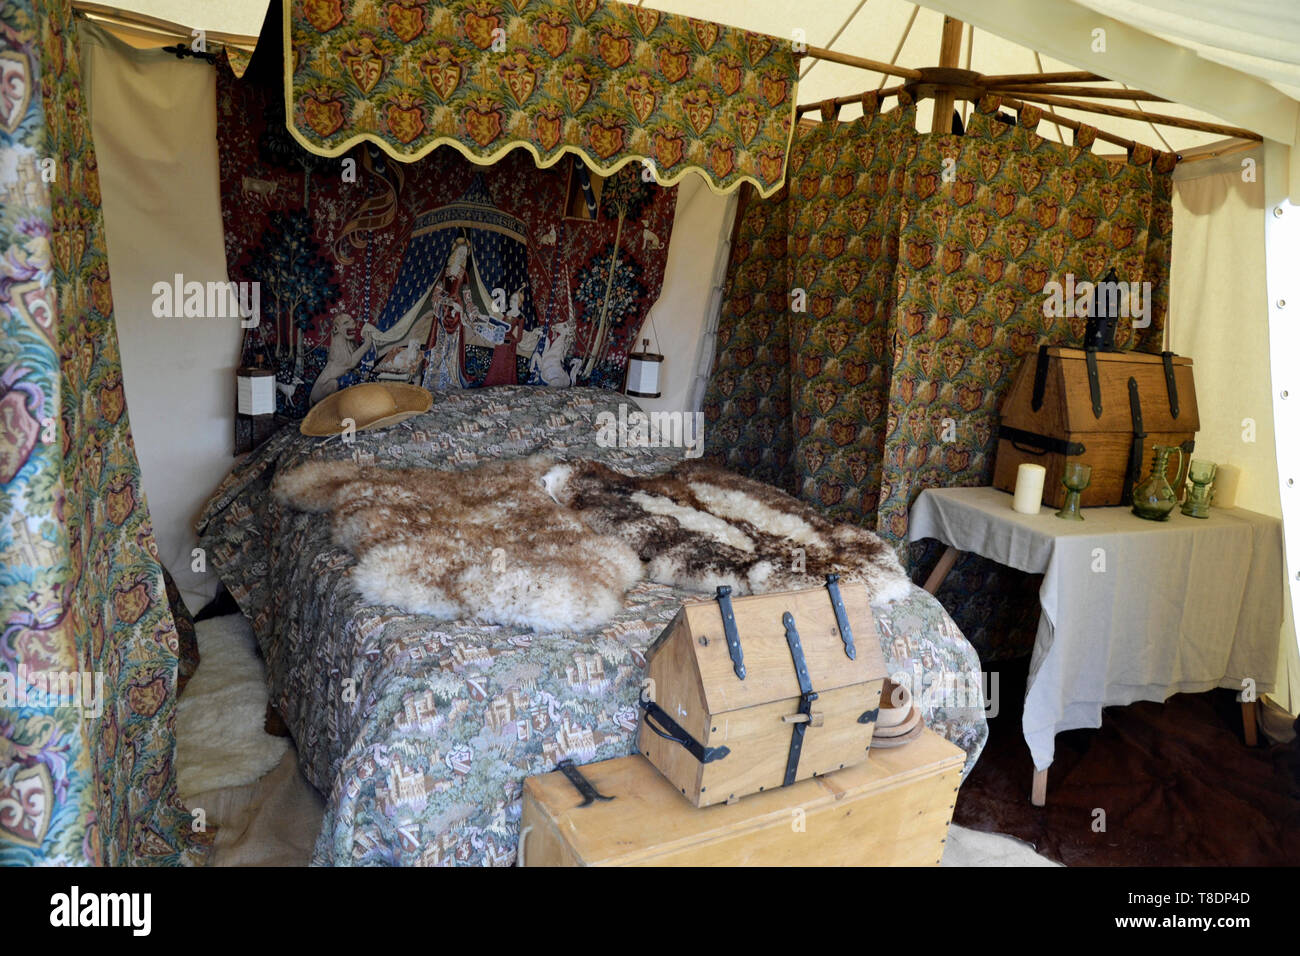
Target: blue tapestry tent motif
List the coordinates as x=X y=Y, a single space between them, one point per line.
x=462 y=296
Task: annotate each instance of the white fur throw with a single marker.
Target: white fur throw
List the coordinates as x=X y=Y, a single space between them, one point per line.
x=555 y=546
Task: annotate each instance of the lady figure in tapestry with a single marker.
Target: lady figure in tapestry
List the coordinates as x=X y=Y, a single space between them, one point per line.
x=468 y=340
x=504 y=369
x=445 y=347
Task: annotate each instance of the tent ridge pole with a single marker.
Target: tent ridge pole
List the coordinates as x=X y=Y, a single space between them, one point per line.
x=1141 y=115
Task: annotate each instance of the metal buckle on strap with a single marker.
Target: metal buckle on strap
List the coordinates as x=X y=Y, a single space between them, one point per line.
x=841 y=616
x=806 y=698
x=729 y=630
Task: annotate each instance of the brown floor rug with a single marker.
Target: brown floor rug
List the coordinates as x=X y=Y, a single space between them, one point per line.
x=1176 y=782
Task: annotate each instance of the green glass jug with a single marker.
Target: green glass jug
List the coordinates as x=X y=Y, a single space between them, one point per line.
x=1153 y=497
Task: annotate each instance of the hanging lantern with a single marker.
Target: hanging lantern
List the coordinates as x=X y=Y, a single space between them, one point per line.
x=255 y=409
x=643 y=372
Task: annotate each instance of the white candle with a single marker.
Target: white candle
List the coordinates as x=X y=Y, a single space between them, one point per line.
x=1029 y=489
x=1226 y=480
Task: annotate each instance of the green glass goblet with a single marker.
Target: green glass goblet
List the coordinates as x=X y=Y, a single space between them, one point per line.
x=1075 y=477
x=1201 y=475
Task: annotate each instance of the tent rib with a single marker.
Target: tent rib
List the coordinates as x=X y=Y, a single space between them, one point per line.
x=916 y=8
x=970 y=46
x=1154 y=129
x=1038 y=59
x=831 y=42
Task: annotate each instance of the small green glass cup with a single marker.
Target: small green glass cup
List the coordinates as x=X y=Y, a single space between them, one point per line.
x=1201 y=475
x=1075 y=477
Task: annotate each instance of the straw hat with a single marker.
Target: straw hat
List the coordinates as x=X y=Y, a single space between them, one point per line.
x=370 y=405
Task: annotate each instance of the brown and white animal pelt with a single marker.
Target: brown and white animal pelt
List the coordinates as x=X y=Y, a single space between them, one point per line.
x=698 y=526
x=487 y=544
x=555 y=545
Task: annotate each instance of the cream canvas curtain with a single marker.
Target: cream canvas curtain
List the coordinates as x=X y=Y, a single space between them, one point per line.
x=154 y=120
x=1218 y=314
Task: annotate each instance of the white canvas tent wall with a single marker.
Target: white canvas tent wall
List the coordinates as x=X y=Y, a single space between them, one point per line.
x=1231 y=61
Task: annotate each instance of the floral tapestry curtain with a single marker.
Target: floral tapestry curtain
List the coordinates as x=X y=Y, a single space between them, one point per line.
x=609 y=81
x=88 y=654
x=877 y=310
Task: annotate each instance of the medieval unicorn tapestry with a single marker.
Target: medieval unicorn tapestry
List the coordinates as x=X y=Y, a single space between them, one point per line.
x=441 y=272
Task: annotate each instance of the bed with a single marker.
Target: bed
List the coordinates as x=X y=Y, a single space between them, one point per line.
x=420 y=732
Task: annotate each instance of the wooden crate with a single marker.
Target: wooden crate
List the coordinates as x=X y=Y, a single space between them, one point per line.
x=1035 y=431
x=890 y=810
x=748 y=724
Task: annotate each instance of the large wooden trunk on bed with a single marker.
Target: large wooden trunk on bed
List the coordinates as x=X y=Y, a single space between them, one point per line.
x=755 y=693
x=891 y=810
x=1057 y=411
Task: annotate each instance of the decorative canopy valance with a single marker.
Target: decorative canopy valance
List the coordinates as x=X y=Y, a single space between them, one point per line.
x=610 y=82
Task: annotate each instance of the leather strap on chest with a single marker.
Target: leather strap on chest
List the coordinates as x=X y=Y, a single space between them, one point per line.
x=1170 y=385
x=1094 y=381
x=1136 y=453
x=806 y=698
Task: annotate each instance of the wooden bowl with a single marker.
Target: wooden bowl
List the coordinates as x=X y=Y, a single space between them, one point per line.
x=892 y=715
x=898 y=730
x=887 y=742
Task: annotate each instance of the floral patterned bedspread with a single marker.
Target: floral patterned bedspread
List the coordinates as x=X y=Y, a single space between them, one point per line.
x=421 y=732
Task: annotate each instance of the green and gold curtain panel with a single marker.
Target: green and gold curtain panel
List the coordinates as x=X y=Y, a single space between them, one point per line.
x=608 y=81
x=877 y=308
x=88 y=649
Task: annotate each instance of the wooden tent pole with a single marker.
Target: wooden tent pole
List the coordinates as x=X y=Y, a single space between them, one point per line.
x=1071 y=90
x=1140 y=115
x=949 y=56
x=863 y=63
x=141 y=22
x=1216 y=153
x=1014 y=104
x=849 y=100
x=1007 y=101
x=1015 y=79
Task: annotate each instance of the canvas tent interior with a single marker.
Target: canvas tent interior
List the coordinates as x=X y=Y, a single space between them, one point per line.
x=1231 y=278
x=180 y=388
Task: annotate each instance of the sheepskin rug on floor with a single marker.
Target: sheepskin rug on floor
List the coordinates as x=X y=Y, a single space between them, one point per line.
x=975 y=848
x=555 y=545
x=219 y=737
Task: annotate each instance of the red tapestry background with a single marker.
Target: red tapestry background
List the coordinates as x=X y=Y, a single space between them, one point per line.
x=497 y=274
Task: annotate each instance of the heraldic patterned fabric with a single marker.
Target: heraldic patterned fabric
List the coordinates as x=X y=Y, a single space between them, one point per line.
x=879 y=306
x=440 y=272
x=88 y=654
x=610 y=81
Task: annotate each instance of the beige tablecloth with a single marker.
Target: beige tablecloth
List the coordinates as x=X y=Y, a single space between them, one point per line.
x=1132 y=609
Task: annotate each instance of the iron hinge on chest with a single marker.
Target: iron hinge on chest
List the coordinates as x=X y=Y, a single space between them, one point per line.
x=841 y=616
x=729 y=631
x=584 y=786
